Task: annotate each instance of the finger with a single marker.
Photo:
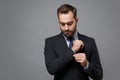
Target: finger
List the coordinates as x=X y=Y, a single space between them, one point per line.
x=82 y=44
x=74 y=55
x=78 y=55
x=82 y=54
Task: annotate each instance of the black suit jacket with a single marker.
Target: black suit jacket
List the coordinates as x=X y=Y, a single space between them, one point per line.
x=60 y=62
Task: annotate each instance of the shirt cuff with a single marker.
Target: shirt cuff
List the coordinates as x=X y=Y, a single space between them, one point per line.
x=73 y=51
x=87 y=65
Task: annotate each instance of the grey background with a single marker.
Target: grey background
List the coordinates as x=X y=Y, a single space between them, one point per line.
x=24 y=24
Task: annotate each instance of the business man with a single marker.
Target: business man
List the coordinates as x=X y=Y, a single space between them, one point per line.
x=71 y=55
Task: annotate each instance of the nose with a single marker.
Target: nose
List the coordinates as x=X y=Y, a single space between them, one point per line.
x=66 y=27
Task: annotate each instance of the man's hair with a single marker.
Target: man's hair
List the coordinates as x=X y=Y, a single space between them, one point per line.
x=65 y=8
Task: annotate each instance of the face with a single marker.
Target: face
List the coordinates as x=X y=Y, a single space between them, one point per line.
x=67 y=23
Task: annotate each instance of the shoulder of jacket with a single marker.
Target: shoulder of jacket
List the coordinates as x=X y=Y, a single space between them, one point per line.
x=86 y=37
x=52 y=37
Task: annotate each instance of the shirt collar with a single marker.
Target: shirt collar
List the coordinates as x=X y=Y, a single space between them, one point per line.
x=75 y=36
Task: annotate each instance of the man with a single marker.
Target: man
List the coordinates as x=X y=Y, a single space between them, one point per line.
x=71 y=55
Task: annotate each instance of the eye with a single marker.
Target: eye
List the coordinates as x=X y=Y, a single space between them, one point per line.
x=62 y=24
x=70 y=23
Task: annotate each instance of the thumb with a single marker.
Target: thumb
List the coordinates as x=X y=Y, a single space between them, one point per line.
x=74 y=55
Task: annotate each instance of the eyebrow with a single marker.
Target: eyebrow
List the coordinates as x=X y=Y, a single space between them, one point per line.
x=67 y=22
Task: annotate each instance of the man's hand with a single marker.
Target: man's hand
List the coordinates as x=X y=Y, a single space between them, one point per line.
x=81 y=58
x=77 y=45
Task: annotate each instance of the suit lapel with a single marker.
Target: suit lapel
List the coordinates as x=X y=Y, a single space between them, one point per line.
x=62 y=41
x=60 y=46
x=80 y=37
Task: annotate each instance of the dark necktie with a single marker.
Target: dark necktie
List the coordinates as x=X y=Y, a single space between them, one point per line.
x=70 y=39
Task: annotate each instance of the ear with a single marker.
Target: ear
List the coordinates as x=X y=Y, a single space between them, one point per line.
x=76 y=20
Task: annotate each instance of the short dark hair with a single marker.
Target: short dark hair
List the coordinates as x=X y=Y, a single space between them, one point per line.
x=65 y=8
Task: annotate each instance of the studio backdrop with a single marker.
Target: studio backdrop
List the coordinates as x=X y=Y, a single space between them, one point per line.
x=24 y=25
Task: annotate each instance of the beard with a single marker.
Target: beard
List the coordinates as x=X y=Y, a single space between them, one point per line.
x=68 y=33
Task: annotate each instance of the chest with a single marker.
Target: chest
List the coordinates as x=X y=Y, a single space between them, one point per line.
x=61 y=47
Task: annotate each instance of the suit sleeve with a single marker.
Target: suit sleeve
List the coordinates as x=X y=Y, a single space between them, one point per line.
x=95 y=69
x=54 y=63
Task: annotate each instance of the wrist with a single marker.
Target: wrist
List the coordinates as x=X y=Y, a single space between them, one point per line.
x=73 y=50
x=87 y=65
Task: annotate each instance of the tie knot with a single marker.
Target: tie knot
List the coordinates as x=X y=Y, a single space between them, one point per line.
x=70 y=38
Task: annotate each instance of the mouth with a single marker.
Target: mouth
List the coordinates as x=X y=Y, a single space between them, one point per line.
x=67 y=33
